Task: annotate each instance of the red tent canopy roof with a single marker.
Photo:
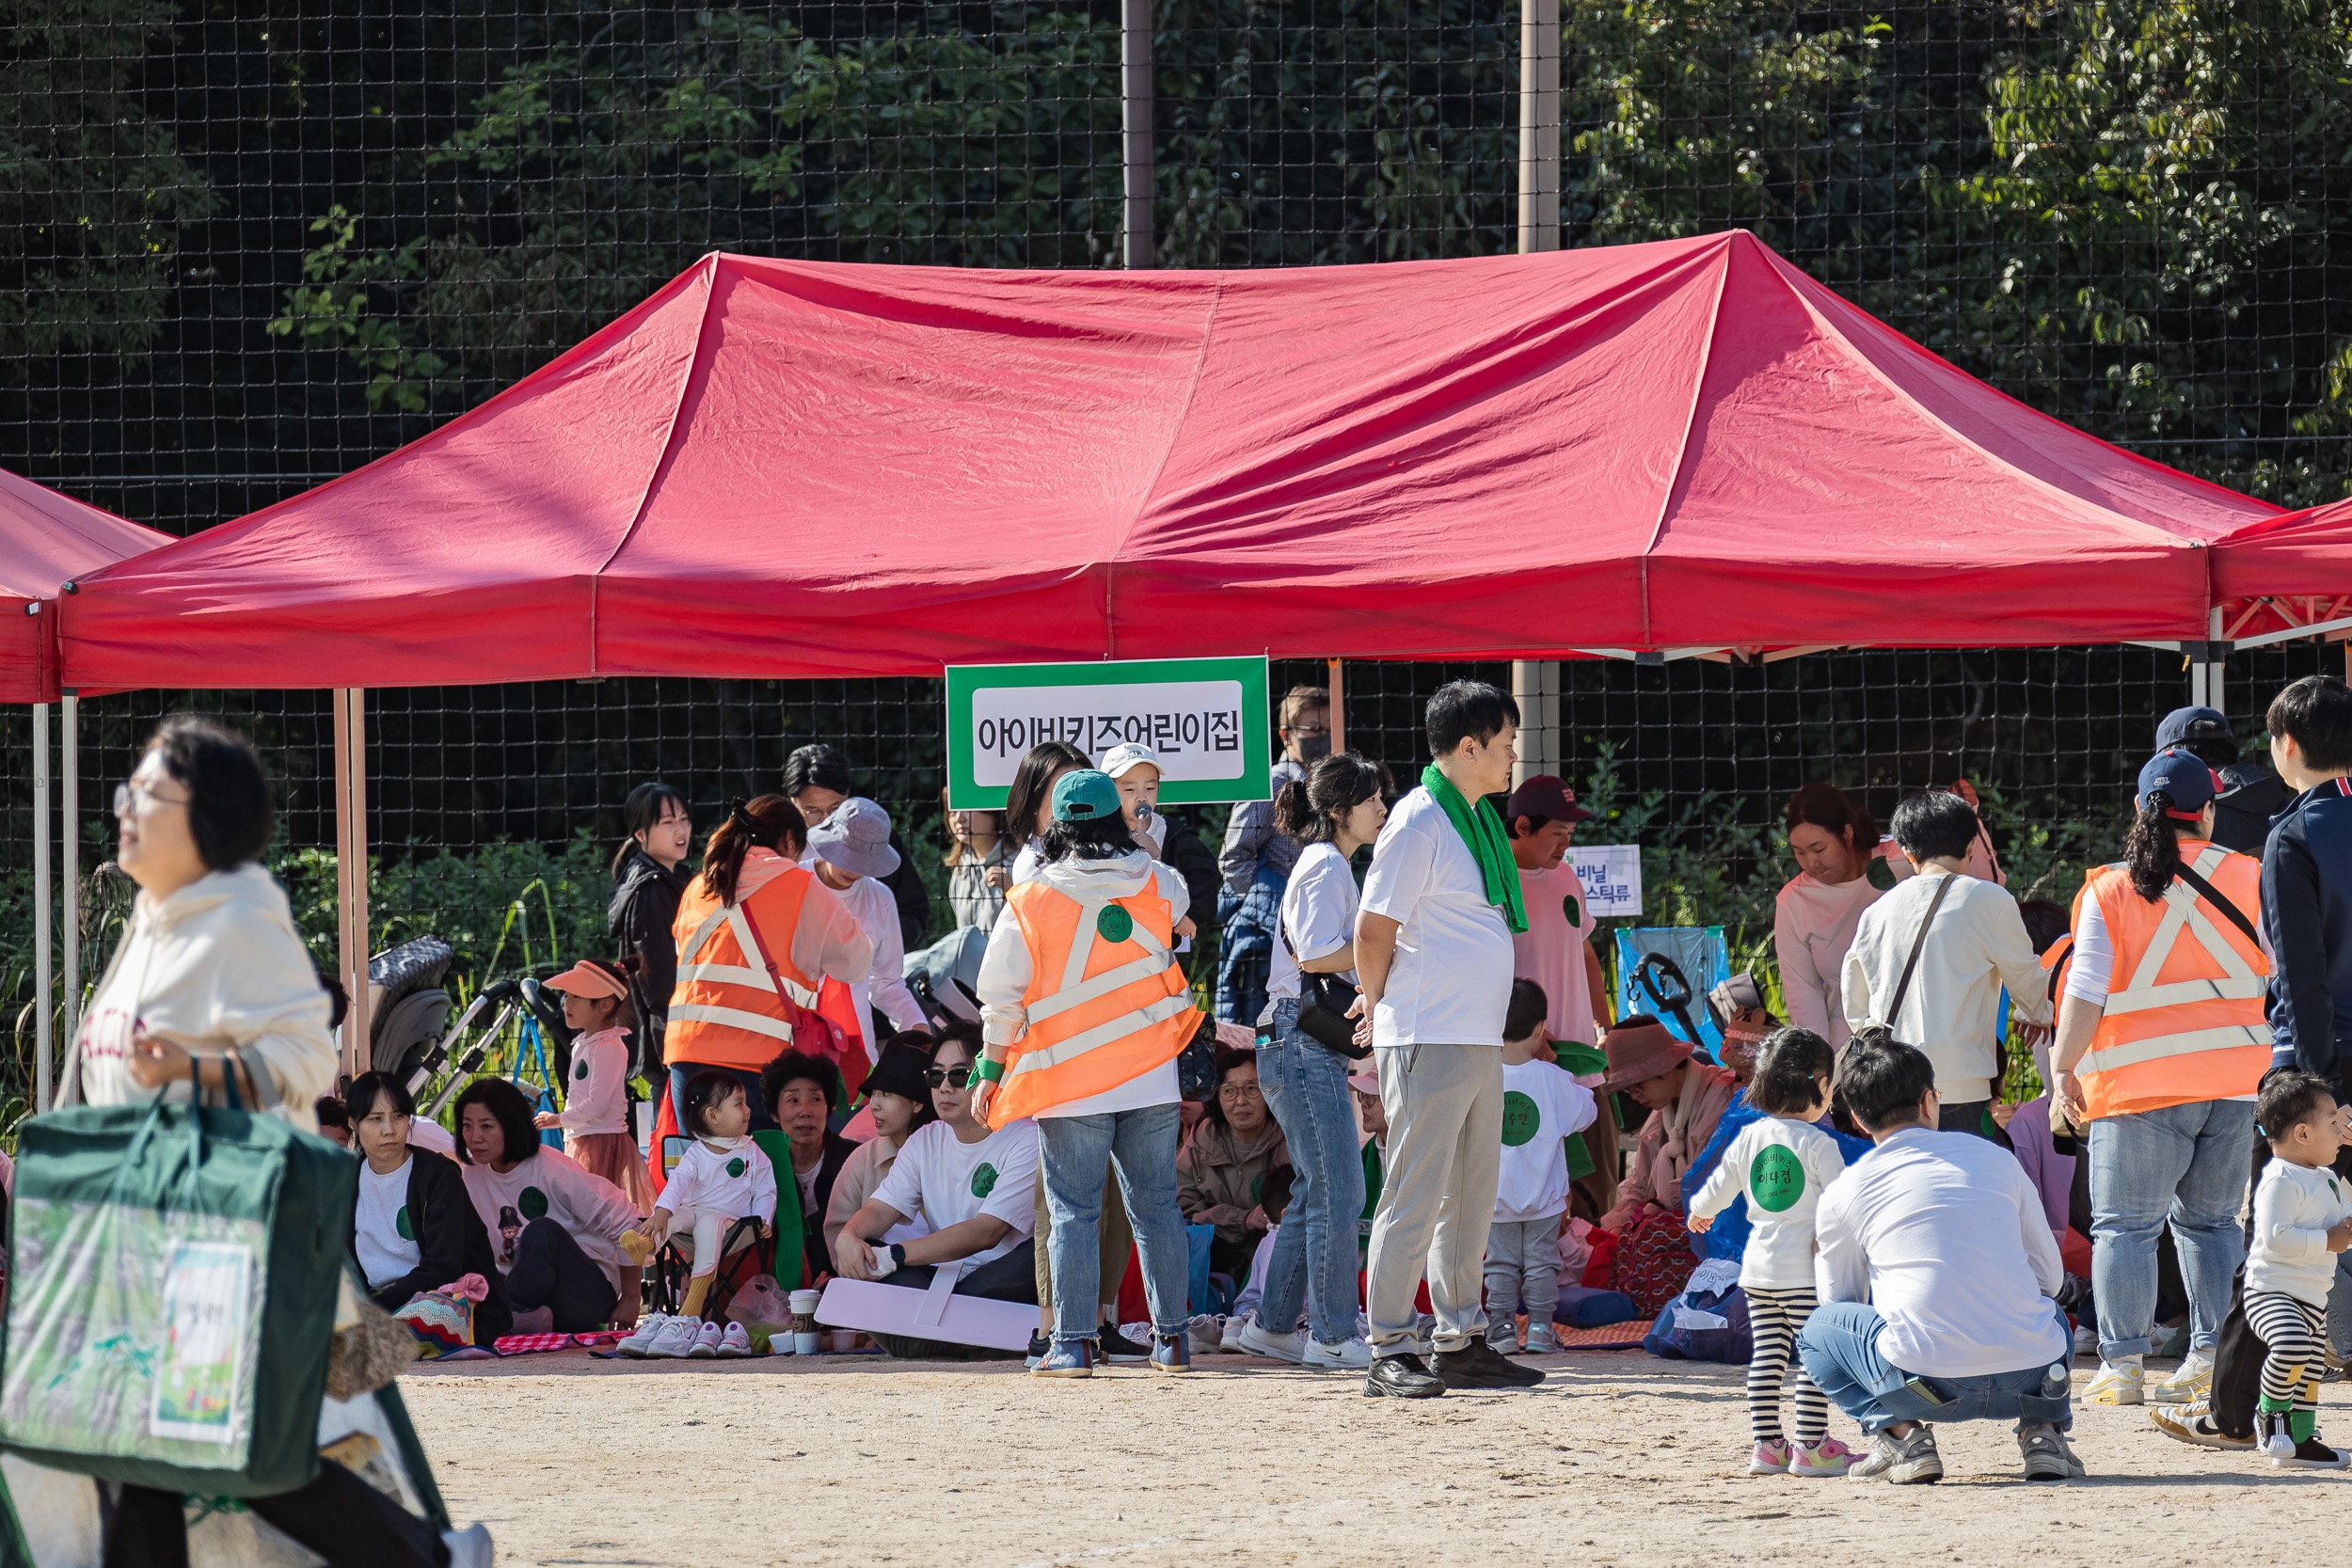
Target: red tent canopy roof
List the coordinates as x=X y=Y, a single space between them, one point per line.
x=47 y=540
x=790 y=469
x=2278 y=575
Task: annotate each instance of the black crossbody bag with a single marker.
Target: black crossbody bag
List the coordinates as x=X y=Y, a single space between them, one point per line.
x=1324 y=1000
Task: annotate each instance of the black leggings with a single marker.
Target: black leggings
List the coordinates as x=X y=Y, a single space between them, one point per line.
x=337 y=1515
x=551 y=1271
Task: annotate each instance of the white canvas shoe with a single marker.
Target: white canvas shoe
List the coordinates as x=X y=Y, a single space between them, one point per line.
x=1256 y=1339
x=676 y=1340
x=640 y=1342
x=1350 y=1355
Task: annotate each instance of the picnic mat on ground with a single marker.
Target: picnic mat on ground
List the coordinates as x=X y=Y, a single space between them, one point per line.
x=1609 y=1336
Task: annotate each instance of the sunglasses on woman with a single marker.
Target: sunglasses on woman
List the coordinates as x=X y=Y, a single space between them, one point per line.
x=952 y=1077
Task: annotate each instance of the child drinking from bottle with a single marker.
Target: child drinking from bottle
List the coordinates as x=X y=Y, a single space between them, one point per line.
x=2302 y=1217
x=723 y=1177
x=1781 y=1165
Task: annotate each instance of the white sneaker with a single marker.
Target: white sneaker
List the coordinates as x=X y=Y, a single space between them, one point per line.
x=2191 y=1379
x=676 y=1340
x=2117 y=1382
x=736 y=1341
x=706 y=1337
x=1253 y=1339
x=648 y=1329
x=468 y=1547
x=2086 y=1340
x=1348 y=1355
x=1229 y=1337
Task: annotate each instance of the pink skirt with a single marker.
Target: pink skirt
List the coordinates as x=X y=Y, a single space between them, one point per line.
x=615 y=1157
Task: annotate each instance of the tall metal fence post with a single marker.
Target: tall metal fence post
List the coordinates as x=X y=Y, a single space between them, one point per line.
x=1136 y=116
x=1535 y=683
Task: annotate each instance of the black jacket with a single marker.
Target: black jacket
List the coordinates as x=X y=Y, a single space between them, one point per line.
x=643 y=912
x=2307 y=916
x=1195 y=863
x=452 y=1242
x=2242 y=812
x=838 y=1152
x=912 y=898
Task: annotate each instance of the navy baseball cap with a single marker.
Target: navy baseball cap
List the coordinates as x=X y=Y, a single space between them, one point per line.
x=2184 y=777
x=2185 y=724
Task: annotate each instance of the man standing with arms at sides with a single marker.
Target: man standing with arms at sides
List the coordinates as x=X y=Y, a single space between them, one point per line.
x=1433 y=956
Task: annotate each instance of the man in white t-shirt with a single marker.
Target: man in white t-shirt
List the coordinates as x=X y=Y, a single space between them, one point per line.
x=1433 y=955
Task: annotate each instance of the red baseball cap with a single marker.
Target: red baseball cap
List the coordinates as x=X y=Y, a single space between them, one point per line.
x=1548 y=796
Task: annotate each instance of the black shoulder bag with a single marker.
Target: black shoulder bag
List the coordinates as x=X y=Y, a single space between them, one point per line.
x=1323 y=1003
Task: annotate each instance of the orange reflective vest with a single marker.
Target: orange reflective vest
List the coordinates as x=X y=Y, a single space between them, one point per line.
x=726 y=1011
x=1106 y=1001
x=2184 y=1019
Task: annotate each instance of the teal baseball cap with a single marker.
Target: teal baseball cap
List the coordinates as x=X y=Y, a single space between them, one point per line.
x=1085 y=795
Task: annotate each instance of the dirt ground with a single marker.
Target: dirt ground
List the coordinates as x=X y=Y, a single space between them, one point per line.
x=1618 y=1458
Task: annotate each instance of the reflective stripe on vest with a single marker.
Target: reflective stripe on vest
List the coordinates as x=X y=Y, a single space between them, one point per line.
x=725 y=1010
x=2151 y=1020
x=736 y=974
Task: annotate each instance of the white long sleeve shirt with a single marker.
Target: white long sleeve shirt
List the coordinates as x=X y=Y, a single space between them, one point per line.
x=550 y=1184
x=1008 y=968
x=1783 y=1166
x=1979 y=944
x=732 y=1176
x=1944 y=1233
x=596 y=1100
x=885 y=983
x=1813 y=926
x=2295 y=1208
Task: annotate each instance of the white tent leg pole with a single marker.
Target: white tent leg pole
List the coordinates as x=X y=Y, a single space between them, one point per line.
x=44 y=1090
x=70 y=864
x=2212 y=671
x=351 y=873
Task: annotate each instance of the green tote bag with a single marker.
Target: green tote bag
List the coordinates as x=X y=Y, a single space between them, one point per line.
x=172 y=1297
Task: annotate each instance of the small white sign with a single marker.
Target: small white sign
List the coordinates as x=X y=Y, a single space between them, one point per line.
x=1612 y=874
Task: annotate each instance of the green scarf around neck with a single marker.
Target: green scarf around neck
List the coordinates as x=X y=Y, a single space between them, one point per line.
x=1482 y=833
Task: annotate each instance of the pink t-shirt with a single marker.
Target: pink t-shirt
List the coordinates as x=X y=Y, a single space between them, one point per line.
x=1550 y=951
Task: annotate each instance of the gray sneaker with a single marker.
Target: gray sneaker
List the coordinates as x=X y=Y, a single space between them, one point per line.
x=1903 y=1461
x=2048 y=1457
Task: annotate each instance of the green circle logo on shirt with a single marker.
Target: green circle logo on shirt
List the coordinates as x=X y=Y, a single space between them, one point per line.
x=1567 y=907
x=580 y=1071
x=1776 y=1178
x=983 y=1180
x=736 y=1166
x=533 y=1203
x=1519 y=1119
x=1115 y=924
x=400 y=1223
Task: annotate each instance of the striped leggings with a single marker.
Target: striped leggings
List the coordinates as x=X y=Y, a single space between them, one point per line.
x=1774 y=1319
x=2293 y=1361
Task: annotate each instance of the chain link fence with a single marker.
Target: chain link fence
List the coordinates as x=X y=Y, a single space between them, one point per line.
x=249 y=245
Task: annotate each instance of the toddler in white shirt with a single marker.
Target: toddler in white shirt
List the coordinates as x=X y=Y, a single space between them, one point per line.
x=1781 y=1164
x=2302 y=1217
x=723 y=1177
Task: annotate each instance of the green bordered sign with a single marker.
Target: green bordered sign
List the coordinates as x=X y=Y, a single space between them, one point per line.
x=1208 y=719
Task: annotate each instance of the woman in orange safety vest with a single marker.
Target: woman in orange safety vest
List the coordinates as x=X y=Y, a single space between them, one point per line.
x=1084 y=1012
x=2160 y=1045
x=757 y=936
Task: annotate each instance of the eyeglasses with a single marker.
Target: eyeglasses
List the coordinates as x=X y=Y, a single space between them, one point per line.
x=952 y=1077
x=1239 y=1091
x=138 y=797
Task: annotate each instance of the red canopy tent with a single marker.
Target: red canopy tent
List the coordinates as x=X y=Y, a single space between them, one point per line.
x=47 y=541
x=795 y=468
x=2286 y=577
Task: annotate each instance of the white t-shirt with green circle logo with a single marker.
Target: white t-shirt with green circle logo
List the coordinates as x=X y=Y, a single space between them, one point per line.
x=1782 y=1165
x=943 y=1181
x=1542 y=1105
x=381 y=1233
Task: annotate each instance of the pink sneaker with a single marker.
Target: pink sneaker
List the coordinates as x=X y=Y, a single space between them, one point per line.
x=1830 y=1459
x=1770 y=1458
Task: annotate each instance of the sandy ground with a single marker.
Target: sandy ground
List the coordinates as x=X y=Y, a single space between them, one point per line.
x=1618 y=1458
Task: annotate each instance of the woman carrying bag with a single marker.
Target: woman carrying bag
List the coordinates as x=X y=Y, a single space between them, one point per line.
x=1333 y=812
x=212 y=991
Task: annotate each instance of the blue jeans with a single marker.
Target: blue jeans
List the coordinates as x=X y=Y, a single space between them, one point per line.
x=1315 y=1249
x=2183 y=1162
x=1839 y=1347
x=1139 y=1147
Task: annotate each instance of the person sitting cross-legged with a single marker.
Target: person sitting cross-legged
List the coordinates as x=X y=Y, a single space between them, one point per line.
x=1935 y=1274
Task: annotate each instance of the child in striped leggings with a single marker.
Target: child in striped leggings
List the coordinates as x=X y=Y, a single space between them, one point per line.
x=1781 y=1164
x=2302 y=1217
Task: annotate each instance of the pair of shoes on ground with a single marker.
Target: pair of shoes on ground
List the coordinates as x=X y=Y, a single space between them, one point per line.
x=1912 y=1459
x=1170 y=1353
x=1778 y=1457
x=1301 y=1349
x=1542 y=1339
x=2125 y=1381
x=663 y=1338
x=1474 y=1366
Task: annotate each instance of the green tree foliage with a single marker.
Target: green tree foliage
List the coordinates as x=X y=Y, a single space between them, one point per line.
x=92 y=188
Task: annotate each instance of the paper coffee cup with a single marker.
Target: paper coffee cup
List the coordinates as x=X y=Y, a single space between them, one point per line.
x=806 y=1300
x=843 y=1338
x=805 y=1344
